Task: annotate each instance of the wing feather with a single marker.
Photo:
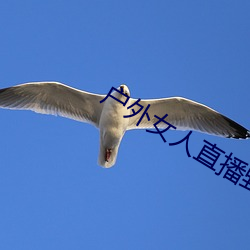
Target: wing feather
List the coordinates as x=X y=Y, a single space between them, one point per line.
x=186 y=114
x=53 y=98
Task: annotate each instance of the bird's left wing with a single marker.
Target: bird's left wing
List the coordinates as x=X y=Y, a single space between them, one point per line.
x=53 y=98
x=186 y=114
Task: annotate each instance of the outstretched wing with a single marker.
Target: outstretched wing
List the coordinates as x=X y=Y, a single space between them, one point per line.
x=186 y=114
x=55 y=99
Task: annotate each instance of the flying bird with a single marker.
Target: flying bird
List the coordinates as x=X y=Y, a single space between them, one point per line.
x=55 y=98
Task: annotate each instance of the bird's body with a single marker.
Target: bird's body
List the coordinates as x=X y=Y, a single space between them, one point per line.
x=58 y=99
x=112 y=127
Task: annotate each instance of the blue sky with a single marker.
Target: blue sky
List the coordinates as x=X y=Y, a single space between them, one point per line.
x=53 y=193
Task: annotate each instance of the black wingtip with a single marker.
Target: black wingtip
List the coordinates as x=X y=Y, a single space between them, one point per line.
x=239 y=131
x=248 y=134
x=3 y=90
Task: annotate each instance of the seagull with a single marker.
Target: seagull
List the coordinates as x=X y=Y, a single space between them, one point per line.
x=55 y=98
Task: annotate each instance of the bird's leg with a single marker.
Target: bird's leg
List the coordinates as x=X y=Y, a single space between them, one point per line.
x=108 y=154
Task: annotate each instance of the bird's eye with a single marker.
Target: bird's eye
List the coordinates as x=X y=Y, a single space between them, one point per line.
x=121 y=88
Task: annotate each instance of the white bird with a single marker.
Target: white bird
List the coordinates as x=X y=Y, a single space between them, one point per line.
x=58 y=99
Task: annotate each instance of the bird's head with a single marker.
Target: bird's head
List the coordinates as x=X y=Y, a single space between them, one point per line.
x=124 y=89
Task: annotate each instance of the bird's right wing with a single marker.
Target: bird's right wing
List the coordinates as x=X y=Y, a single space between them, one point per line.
x=55 y=99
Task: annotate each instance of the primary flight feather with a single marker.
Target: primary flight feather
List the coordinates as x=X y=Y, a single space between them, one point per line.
x=108 y=116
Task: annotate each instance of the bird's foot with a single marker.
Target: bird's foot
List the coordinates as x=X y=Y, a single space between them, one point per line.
x=108 y=154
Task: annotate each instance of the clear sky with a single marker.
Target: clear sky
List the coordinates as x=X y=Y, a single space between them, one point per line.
x=53 y=194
